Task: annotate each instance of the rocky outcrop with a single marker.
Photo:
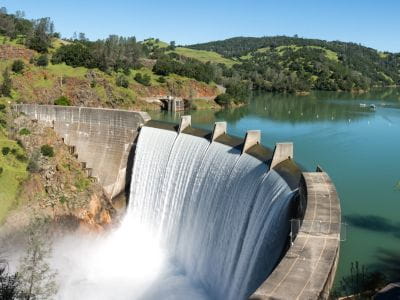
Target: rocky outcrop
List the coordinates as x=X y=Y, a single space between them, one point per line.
x=58 y=186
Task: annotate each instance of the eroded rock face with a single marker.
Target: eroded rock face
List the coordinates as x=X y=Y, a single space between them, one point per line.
x=15 y=52
x=57 y=188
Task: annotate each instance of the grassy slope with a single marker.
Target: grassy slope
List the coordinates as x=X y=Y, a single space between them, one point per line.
x=14 y=172
x=201 y=55
x=328 y=53
x=204 y=56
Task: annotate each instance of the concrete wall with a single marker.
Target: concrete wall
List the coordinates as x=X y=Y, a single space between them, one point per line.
x=308 y=268
x=102 y=138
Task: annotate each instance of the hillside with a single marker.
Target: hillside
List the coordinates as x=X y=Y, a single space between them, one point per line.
x=297 y=64
x=91 y=87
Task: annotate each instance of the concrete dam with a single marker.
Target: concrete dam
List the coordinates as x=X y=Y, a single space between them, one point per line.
x=240 y=220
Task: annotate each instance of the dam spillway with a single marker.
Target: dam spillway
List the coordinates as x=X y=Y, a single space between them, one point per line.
x=210 y=204
x=214 y=201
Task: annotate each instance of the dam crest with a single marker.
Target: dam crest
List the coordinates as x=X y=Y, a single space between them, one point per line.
x=241 y=220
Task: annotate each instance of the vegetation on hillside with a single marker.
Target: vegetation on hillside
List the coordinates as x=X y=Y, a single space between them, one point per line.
x=293 y=64
x=112 y=72
x=275 y=64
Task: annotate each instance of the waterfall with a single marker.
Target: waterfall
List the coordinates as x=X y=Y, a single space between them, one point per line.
x=222 y=216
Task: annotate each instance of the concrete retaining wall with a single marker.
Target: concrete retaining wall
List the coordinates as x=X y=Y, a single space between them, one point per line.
x=308 y=268
x=102 y=138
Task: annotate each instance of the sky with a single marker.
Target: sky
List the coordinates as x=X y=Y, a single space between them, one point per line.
x=372 y=23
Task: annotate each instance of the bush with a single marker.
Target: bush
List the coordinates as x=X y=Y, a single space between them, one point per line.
x=24 y=131
x=224 y=99
x=33 y=165
x=2 y=107
x=145 y=79
x=63 y=101
x=122 y=81
x=161 y=79
x=75 y=55
x=5 y=150
x=42 y=60
x=21 y=157
x=6 y=86
x=18 y=66
x=1 y=170
x=47 y=150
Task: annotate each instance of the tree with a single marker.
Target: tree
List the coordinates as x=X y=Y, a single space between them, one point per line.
x=82 y=36
x=8 y=283
x=40 y=40
x=37 y=280
x=122 y=81
x=172 y=45
x=6 y=85
x=145 y=79
x=17 y=66
x=42 y=60
x=75 y=55
x=64 y=101
x=47 y=150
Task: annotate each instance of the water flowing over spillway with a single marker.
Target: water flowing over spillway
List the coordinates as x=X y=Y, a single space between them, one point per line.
x=221 y=215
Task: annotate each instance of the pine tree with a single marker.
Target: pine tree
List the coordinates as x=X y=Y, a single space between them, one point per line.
x=8 y=283
x=37 y=280
x=6 y=86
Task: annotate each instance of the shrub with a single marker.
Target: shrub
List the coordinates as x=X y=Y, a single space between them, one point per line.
x=33 y=165
x=127 y=71
x=2 y=107
x=63 y=199
x=224 y=99
x=63 y=101
x=3 y=123
x=19 y=142
x=145 y=79
x=42 y=60
x=47 y=150
x=5 y=150
x=122 y=81
x=82 y=184
x=6 y=86
x=24 y=131
x=18 y=66
x=21 y=157
x=1 y=170
x=161 y=79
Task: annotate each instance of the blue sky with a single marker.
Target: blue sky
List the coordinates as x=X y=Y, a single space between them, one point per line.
x=370 y=22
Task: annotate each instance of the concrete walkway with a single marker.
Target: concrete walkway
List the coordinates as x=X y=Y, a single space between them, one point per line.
x=308 y=268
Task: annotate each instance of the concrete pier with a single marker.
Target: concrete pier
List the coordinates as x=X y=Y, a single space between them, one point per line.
x=219 y=129
x=282 y=152
x=186 y=121
x=253 y=137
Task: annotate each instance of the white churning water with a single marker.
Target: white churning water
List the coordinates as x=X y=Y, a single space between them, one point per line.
x=221 y=217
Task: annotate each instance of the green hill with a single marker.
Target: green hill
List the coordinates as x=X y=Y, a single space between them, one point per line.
x=294 y=64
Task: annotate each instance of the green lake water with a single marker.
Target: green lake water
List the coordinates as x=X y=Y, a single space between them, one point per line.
x=358 y=147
